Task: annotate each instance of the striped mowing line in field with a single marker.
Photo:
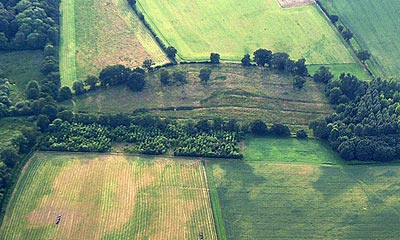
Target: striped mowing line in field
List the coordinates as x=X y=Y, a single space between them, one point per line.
x=67 y=45
x=109 y=197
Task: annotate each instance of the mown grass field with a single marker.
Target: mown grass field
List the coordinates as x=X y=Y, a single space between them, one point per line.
x=354 y=68
x=291 y=150
x=304 y=199
x=10 y=128
x=109 y=197
x=375 y=25
x=20 y=67
x=67 y=43
x=233 y=28
x=233 y=92
x=108 y=33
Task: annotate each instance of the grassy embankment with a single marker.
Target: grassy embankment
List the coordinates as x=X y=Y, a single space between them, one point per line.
x=233 y=92
x=67 y=43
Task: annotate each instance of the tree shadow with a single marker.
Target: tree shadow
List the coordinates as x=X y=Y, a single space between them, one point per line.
x=235 y=191
x=333 y=181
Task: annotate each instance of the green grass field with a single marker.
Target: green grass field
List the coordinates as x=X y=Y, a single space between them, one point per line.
x=233 y=92
x=233 y=28
x=356 y=69
x=375 y=25
x=291 y=150
x=20 y=67
x=278 y=198
x=109 y=197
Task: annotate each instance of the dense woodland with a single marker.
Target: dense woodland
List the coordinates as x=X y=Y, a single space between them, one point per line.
x=28 y=24
x=365 y=126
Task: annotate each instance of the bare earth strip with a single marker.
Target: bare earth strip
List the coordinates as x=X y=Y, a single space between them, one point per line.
x=109 y=197
x=294 y=3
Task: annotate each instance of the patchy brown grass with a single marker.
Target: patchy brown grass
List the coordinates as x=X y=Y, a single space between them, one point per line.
x=107 y=33
x=110 y=196
x=295 y=3
x=89 y=194
x=232 y=92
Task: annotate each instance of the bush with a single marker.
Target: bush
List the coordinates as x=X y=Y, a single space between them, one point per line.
x=280 y=130
x=258 y=127
x=301 y=134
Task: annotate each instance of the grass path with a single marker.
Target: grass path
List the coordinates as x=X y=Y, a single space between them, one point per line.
x=67 y=44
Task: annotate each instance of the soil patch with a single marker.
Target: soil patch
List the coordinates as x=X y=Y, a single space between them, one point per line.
x=294 y=3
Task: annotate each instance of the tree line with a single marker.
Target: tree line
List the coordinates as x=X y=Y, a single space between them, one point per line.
x=365 y=124
x=10 y=160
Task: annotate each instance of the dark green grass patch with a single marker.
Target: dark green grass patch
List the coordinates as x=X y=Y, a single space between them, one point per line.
x=10 y=128
x=290 y=150
x=20 y=67
x=271 y=200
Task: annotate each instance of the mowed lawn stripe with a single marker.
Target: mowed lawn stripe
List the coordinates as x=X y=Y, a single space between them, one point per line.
x=233 y=28
x=67 y=43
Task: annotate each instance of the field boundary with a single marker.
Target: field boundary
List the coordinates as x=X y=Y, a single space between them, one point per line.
x=215 y=204
x=345 y=43
x=152 y=32
x=15 y=178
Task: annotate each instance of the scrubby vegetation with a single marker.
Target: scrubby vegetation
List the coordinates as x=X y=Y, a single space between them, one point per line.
x=148 y=135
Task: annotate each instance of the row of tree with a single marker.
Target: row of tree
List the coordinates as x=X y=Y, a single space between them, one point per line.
x=366 y=118
x=11 y=156
x=114 y=75
x=279 y=61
